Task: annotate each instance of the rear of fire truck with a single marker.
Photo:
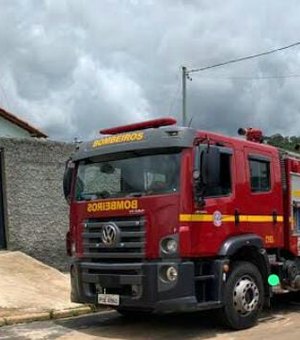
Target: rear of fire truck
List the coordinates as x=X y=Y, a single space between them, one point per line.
x=151 y=232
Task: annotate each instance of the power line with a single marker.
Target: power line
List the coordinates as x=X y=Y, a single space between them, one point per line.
x=186 y=72
x=253 y=77
x=232 y=61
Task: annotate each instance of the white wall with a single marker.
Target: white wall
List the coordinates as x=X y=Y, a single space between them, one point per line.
x=8 y=129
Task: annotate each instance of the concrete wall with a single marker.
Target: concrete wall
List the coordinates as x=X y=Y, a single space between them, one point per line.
x=37 y=214
x=8 y=129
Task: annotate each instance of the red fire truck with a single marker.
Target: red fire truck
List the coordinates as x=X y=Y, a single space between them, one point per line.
x=168 y=219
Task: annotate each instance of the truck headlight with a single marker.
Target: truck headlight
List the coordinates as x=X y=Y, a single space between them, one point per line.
x=169 y=246
x=73 y=249
x=168 y=273
x=172 y=274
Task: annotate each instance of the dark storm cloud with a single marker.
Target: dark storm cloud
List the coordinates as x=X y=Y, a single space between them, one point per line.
x=72 y=67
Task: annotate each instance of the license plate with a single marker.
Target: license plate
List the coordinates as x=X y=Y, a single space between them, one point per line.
x=109 y=299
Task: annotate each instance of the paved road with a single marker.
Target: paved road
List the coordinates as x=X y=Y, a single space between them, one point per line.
x=282 y=323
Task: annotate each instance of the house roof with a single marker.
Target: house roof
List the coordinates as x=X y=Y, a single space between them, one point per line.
x=22 y=124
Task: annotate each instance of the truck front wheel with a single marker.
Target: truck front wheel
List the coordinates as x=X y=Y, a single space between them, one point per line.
x=243 y=296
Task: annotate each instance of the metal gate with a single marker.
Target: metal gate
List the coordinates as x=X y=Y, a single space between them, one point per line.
x=2 y=226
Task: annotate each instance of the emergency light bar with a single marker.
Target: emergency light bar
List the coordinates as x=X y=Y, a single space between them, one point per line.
x=154 y=123
x=252 y=135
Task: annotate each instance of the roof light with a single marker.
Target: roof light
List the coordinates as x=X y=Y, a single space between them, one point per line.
x=154 y=123
x=252 y=135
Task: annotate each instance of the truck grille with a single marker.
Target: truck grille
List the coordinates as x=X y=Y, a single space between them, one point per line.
x=131 y=245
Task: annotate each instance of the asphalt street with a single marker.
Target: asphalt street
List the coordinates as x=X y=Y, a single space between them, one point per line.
x=282 y=321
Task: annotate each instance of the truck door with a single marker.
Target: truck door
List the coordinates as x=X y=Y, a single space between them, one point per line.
x=215 y=222
x=263 y=196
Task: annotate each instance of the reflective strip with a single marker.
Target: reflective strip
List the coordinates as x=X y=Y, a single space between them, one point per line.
x=296 y=193
x=279 y=218
x=258 y=218
x=228 y=218
x=195 y=218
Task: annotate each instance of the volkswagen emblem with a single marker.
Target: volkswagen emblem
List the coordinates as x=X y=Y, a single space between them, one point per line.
x=110 y=234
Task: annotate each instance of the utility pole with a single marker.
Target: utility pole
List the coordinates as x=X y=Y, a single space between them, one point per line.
x=187 y=72
x=184 y=76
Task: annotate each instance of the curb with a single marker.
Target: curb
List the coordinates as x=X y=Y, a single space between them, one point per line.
x=42 y=316
x=65 y=313
x=11 y=320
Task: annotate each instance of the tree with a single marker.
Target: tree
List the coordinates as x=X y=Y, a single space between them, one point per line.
x=285 y=142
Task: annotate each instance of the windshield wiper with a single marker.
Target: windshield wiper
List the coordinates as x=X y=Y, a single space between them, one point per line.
x=103 y=194
x=88 y=196
x=136 y=194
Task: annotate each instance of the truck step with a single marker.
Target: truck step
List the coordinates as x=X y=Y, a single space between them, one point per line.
x=204 y=277
x=208 y=305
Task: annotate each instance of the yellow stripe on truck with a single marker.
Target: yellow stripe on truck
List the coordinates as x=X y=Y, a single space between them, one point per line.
x=228 y=218
x=296 y=193
x=203 y=218
x=195 y=218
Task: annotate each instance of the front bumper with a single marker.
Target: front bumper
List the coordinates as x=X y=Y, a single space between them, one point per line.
x=140 y=287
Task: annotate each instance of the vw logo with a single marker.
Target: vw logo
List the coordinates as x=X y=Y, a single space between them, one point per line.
x=110 y=234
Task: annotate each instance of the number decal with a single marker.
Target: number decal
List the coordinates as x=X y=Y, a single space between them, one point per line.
x=269 y=239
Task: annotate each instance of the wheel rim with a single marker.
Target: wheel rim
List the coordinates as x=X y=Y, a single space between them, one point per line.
x=245 y=295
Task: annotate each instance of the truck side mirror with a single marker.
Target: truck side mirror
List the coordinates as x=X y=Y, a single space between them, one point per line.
x=210 y=166
x=67 y=182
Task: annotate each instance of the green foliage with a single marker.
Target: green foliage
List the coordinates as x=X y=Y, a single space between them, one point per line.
x=288 y=142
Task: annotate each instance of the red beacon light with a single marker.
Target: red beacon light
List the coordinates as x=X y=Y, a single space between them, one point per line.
x=154 y=123
x=252 y=135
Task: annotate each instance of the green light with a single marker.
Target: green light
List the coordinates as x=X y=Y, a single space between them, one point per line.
x=273 y=280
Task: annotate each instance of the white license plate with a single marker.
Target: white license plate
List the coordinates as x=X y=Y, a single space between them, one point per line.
x=109 y=299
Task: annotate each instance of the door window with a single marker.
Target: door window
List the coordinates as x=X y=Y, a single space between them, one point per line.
x=224 y=187
x=296 y=216
x=259 y=175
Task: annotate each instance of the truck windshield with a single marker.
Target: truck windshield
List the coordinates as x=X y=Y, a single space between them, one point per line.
x=131 y=176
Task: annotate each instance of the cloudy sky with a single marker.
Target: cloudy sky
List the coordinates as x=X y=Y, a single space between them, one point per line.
x=71 y=67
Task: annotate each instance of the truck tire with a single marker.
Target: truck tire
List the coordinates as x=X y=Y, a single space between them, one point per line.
x=243 y=296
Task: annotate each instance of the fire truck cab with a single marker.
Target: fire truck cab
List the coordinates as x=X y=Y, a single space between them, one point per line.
x=166 y=219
